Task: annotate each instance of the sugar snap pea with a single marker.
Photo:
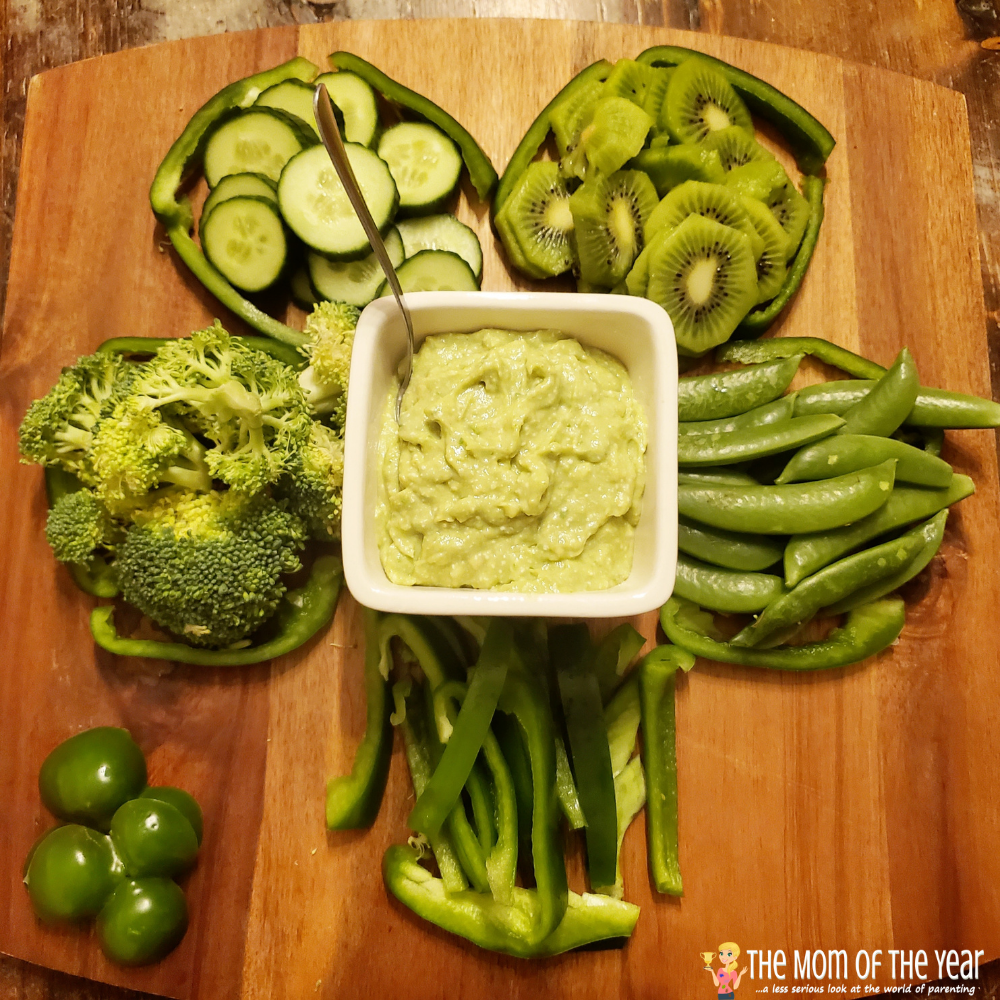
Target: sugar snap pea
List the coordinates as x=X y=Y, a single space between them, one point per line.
x=774 y=412
x=755 y=442
x=724 y=394
x=726 y=590
x=933 y=533
x=719 y=477
x=868 y=630
x=728 y=549
x=807 y=553
x=842 y=453
x=752 y=352
x=888 y=403
x=783 y=510
x=834 y=583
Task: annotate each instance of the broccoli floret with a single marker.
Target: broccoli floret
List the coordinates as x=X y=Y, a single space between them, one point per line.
x=58 y=429
x=78 y=525
x=208 y=566
x=313 y=487
x=246 y=403
x=330 y=328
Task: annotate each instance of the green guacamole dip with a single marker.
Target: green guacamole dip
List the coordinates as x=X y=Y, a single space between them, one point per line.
x=517 y=465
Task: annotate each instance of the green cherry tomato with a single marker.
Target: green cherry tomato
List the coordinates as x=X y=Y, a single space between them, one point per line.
x=179 y=799
x=87 y=777
x=153 y=838
x=71 y=873
x=143 y=920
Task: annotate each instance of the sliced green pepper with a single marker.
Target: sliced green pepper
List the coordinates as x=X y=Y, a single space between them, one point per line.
x=613 y=655
x=659 y=754
x=150 y=345
x=621 y=719
x=352 y=801
x=630 y=797
x=752 y=352
x=569 y=798
x=481 y=171
x=572 y=656
x=300 y=615
x=868 y=630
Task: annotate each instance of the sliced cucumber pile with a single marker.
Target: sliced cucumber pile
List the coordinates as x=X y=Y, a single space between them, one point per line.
x=662 y=190
x=276 y=198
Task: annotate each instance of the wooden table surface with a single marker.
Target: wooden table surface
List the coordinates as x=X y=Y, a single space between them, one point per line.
x=938 y=40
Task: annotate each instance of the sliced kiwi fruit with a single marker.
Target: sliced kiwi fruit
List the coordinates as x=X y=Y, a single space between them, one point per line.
x=771 y=267
x=661 y=139
x=701 y=100
x=656 y=94
x=505 y=230
x=757 y=179
x=792 y=212
x=630 y=80
x=638 y=277
x=615 y=134
x=568 y=120
x=711 y=201
x=669 y=166
x=735 y=147
x=703 y=275
x=537 y=213
x=610 y=214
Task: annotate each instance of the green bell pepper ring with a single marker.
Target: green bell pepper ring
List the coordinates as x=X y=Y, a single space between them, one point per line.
x=659 y=754
x=613 y=655
x=868 y=630
x=150 y=345
x=353 y=800
x=300 y=615
x=726 y=590
x=471 y=726
x=889 y=403
x=572 y=656
x=751 y=352
x=755 y=442
x=726 y=394
x=728 y=549
x=183 y=157
x=481 y=171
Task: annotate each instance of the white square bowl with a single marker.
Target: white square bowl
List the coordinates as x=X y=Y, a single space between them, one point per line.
x=634 y=330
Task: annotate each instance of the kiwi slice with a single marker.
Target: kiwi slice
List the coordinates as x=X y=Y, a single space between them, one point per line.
x=703 y=275
x=638 y=277
x=609 y=215
x=537 y=213
x=701 y=100
x=757 y=179
x=630 y=80
x=735 y=147
x=712 y=201
x=505 y=230
x=792 y=212
x=771 y=268
x=656 y=95
x=616 y=133
x=568 y=120
x=669 y=166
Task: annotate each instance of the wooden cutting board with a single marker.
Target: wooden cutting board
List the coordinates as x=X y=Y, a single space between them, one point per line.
x=854 y=809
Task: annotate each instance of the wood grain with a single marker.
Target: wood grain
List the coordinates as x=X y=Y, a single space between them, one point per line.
x=857 y=812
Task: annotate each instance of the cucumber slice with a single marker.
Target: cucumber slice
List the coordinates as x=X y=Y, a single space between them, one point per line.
x=433 y=271
x=442 y=232
x=303 y=293
x=425 y=165
x=356 y=281
x=244 y=240
x=293 y=96
x=316 y=207
x=234 y=185
x=356 y=100
x=260 y=141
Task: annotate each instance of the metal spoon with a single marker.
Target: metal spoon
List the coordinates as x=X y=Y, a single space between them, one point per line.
x=330 y=134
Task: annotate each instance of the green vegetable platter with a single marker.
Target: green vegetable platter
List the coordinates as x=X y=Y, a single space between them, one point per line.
x=848 y=808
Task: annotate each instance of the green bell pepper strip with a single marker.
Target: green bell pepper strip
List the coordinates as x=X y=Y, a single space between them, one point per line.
x=480 y=793
x=751 y=352
x=630 y=797
x=184 y=157
x=728 y=549
x=572 y=656
x=96 y=577
x=933 y=533
x=525 y=698
x=775 y=412
x=300 y=615
x=867 y=630
x=726 y=590
x=782 y=510
x=516 y=755
x=509 y=929
x=353 y=801
x=150 y=345
x=621 y=719
x=471 y=726
x=532 y=140
x=726 y=394
x=888 y=404
x=811 y=142
x=760 y=318
x=569 y=798
x=659 y=755
x=807 y=553
x=481 y=171
x=755 y=442
x=844 y=453
x=834 y=583
x=613 y=655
